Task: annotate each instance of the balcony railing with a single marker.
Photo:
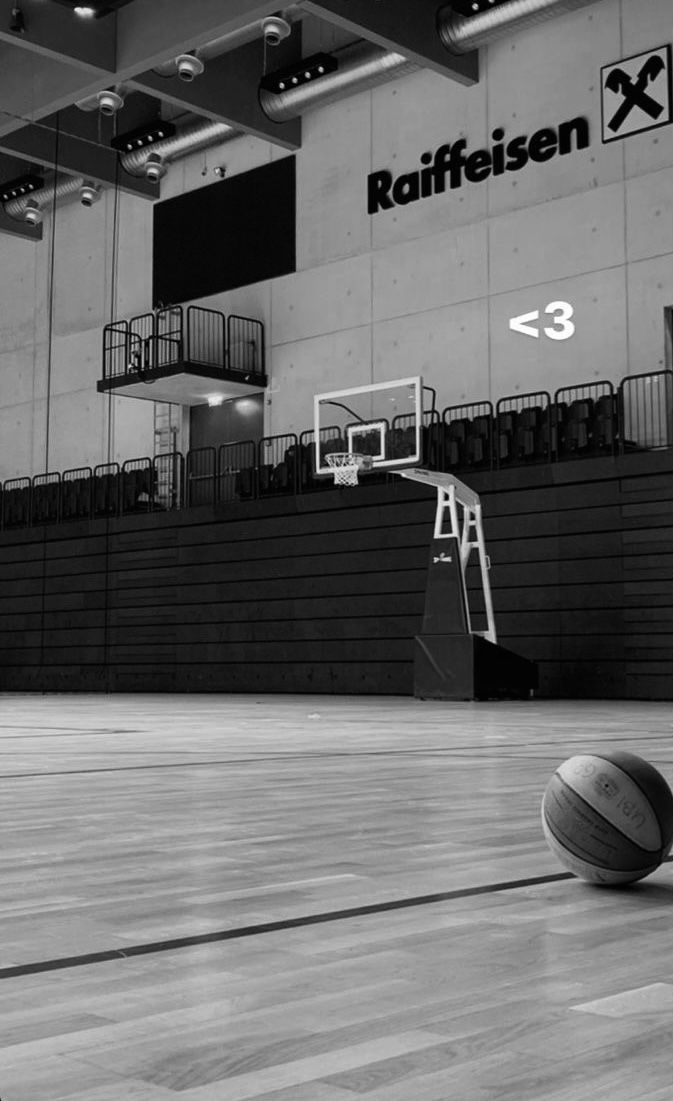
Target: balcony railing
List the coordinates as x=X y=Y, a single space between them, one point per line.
x=145 y=344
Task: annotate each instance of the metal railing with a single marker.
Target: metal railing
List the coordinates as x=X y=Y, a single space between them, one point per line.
x=645 y=410
x=468 y=436
x=200 y=476
x=639 y=415
x=245 y=345
x=206 y=336
x=45 y=499
x=523 y=428
x=76 y=493
x=166 y=337
x=237 y=471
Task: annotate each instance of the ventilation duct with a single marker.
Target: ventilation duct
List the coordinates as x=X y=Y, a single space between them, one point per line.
x=361 y=66
x=67 y=187
x=460 y=34
x=192 y=138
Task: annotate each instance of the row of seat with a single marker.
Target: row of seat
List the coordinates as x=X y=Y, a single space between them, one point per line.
x=462 y=438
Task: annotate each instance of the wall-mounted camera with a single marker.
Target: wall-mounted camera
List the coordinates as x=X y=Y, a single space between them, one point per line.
x=189 y=67
x=275 y=29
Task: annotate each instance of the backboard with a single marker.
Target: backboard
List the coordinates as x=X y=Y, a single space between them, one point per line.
x=382 y=421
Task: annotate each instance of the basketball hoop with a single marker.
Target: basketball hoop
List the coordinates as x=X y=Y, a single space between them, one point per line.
x=346 y=466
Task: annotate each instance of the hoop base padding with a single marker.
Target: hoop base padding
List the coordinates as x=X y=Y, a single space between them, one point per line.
x=468 y=667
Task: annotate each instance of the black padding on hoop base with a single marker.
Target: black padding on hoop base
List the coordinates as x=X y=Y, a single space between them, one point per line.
x=468 y=667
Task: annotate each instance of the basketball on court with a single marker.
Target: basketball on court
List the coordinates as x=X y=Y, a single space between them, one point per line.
x=608 y=818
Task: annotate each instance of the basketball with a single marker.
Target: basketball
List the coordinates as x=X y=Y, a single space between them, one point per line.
x=608 y=817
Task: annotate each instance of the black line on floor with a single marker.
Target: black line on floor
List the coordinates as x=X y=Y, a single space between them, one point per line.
x=153 y=947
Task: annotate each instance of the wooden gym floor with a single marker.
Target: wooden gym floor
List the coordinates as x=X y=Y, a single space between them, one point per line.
x=219 y=898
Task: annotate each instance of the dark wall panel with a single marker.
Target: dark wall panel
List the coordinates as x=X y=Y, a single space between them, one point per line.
x=226 y=235
x=325 y=592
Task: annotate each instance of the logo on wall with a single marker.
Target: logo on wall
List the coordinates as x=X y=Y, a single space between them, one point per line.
x=453 y=164
x=636 y=94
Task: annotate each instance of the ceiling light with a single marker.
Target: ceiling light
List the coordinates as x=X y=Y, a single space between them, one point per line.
x=474 y=7
x=32 y=213
x=301 y=72
x=22 y=185
x=144 y=135
x=214 y=400
x=84 y=11
x=155 y=169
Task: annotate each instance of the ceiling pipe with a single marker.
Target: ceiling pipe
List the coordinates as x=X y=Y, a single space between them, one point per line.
x=192 y=138
x=460 y=33
x=361 y=66
x=66 y=188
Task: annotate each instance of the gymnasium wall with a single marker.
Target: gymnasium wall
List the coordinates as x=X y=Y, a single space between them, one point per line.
x=324 y=592
x=429 y=286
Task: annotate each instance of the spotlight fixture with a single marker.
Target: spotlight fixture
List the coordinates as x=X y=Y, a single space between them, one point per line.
x=214 y=400
x=189 y=66
x=310 y=68
x=155 y=169
x=22 y=185
x=275 y=29
x=143 y=136
x=109 y=103
x=474 y=7
x=32 y=213
x=94 y=9
x=17 y=23
x=89 y=193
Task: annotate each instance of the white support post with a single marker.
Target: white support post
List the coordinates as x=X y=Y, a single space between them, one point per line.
x=450 y=493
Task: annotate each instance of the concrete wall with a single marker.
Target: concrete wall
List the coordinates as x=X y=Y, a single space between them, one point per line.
x=424 y=288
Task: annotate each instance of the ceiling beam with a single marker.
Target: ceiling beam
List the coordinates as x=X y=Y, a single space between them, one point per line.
x=144 y=41
x=75 y=156
x=408 y=27
x=15 y=228
x=228 y=92
x=32 y=87
x=54 y=32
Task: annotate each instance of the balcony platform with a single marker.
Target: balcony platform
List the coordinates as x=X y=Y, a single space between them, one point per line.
x=184 y=357
x=184 y=383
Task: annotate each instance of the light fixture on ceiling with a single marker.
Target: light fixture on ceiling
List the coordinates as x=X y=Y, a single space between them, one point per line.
x=214 y=400
x=22 y=185
x=94 y=9
x=17 y=23
x=189 y=66
x=155 y=169
x=275 y=29
x=109 y=102
x=89 y=193
x=474 y=7
x=32 y=213
x=310 y=68
x=143 y=136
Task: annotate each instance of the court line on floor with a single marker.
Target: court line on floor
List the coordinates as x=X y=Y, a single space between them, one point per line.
x=153 y=947
x=476 y=753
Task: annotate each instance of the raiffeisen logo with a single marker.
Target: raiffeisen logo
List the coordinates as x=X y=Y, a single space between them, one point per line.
x=450 y=165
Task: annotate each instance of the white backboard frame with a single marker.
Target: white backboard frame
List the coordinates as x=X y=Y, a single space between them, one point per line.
x=414 y=381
